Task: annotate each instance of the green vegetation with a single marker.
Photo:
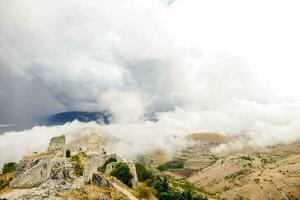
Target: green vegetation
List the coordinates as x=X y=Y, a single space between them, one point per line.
x=145 y=160
x=174 y=164
x=240 y=174
x=5 y=180
x=3 y=184
x=9 y=167
x=144 y=191
x=68 y=153
x=103 y=167
x=122 y=172
x=165 y=190
x=142 y=173
x=247 y=158
x=75 y=159
x=78 y=167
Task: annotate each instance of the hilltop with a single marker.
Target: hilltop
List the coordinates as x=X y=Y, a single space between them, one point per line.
x=82 y=169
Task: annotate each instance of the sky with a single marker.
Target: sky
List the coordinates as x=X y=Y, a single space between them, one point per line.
x=67 y=54
x=228 y=66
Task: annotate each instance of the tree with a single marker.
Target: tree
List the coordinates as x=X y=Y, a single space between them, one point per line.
x=142 y=173
x=122 y=172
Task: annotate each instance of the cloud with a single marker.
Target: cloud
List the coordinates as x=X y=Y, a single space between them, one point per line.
x=126 y=107
x=194 y=65
x=124 y=139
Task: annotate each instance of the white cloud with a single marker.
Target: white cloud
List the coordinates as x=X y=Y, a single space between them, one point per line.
x=227 y=66
x=126 y=107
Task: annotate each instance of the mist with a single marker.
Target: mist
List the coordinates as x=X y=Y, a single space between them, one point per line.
x=149 y=59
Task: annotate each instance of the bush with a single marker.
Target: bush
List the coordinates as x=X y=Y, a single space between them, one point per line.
x=166 y=192
x=75 y=159
x=3 y=184
x=142 y=173
x=9 y=167
x=174 y=164
x=171 y=195
x=200 y=197
x=68 y=153
x=103 y=167
x=161 y=185
x=246 y=158
x=78 y=167
x=145 y=192
x=122 y=172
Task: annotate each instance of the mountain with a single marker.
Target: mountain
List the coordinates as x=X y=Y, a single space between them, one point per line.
x=64 y=117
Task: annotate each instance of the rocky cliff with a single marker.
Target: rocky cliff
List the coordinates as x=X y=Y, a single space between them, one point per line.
x=69 y=172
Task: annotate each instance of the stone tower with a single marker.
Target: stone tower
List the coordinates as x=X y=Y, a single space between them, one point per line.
x=57 y=143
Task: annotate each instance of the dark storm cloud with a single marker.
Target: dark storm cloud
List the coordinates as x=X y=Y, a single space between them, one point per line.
x=23 y=101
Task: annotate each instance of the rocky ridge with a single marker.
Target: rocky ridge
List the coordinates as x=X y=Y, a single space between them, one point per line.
x=69 y=172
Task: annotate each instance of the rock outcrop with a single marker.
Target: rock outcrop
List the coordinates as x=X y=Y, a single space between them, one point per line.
x=48 y=174
x=33 y=174
x=132 y=168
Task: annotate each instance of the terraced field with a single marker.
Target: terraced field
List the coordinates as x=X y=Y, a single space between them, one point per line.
x=248 y=173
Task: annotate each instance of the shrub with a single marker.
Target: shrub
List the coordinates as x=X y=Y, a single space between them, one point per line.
x=9 y=167
x=246 y=158
x=200 y=197
x=145 y=192
x=75 y=159
x=161 y=185
x=122 y=172
x=103 y=167
x=166 y=192
x=68 y=153
x=142 y=173
x=174 y=164
x=171 y=195
x=3 y=184
x=78 y=167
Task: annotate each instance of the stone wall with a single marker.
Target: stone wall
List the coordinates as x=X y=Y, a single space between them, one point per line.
x=130 y=164
x=57 y=143
x=92 y=167
x=89 y=144
x=132 y=168
x=111 y=166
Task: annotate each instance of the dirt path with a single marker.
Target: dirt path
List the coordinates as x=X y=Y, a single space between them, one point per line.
x=123 y=190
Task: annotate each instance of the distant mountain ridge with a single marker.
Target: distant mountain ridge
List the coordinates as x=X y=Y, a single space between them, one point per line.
x=64 y=117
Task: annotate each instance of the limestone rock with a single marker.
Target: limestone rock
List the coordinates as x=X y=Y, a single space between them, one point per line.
x=33 y=174
x=92 y=167
x=100 y=181
x=132 y=168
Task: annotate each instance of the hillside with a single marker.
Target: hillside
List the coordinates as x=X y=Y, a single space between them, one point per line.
x=82 y=169
x=247 y=173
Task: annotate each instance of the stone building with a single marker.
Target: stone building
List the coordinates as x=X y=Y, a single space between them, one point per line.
x=57 y=143
x=90 y=144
